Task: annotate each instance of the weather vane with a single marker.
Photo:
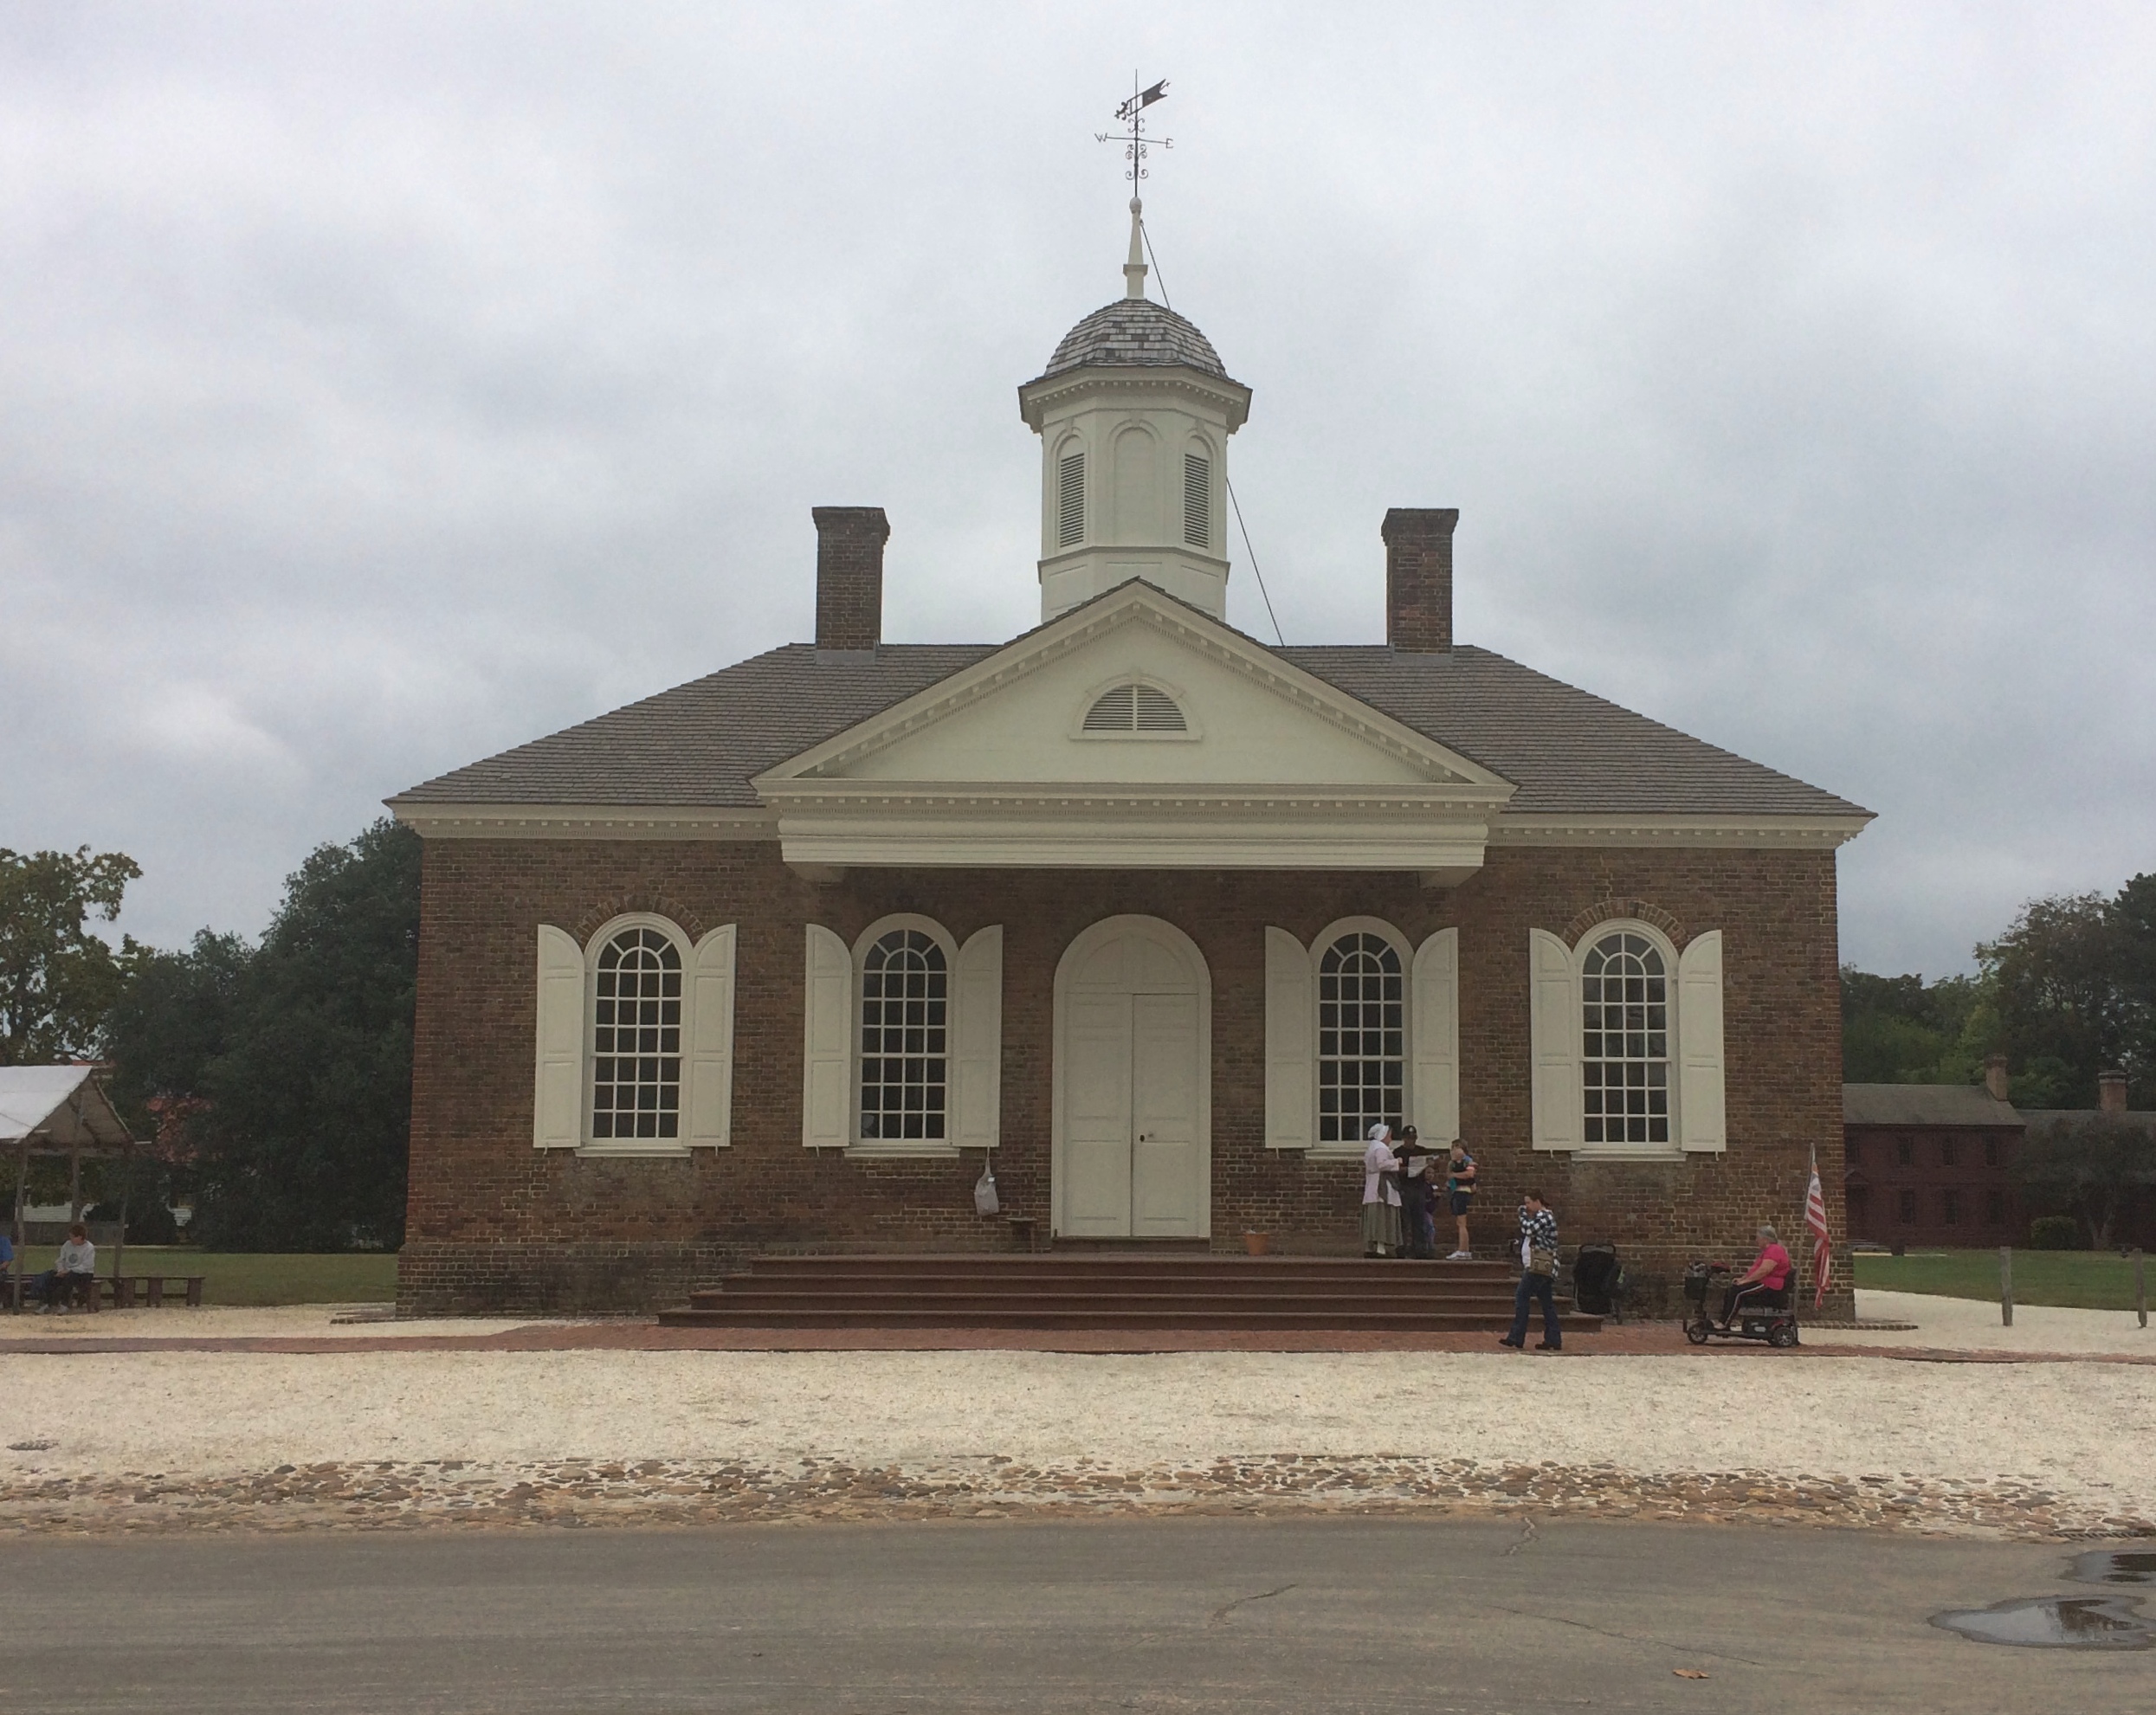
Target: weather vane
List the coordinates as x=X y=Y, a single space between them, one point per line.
x=1134 y=141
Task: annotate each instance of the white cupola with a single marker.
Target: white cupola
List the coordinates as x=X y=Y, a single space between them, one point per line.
x=1133 y=411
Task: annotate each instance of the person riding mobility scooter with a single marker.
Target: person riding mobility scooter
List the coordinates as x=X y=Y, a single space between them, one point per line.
x=1761 y=1305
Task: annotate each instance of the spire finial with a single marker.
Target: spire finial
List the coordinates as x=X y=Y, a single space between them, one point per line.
x=1135 y=142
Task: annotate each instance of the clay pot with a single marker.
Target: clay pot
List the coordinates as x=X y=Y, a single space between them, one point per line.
x=1258 y=1244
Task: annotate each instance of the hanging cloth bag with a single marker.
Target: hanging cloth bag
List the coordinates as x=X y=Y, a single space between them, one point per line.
x=985 y=1198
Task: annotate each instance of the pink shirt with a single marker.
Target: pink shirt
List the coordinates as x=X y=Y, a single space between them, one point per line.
x=1778 y=1266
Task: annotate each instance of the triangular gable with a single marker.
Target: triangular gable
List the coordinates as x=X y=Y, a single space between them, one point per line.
x=1252 y=719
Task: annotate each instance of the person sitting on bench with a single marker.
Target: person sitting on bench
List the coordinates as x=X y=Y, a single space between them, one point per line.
x=1768 y=1275
x=73 y=1272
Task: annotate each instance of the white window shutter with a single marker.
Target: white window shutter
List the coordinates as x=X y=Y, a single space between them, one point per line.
x=1435 y=1095
x=1554 y=1032
x=1700 y=1120
x=827 y=1071
x=1291 y=1043
x=558 y=1089
x=978 y=1037
x=711 y=1041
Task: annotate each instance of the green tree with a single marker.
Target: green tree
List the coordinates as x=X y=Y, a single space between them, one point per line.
x=2134 y=923
x=2057 y=977
x=1900 y=1031
x=2089 y=1165
x=279 y=1076
x=58 y=980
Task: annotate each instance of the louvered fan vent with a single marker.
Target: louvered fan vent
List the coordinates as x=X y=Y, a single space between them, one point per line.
x=1070 y=526
x=1198 y=501
x=1135 y=708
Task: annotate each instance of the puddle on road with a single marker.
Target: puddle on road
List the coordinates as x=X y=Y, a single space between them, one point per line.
x=2114 y=1566
x=2056 y=1622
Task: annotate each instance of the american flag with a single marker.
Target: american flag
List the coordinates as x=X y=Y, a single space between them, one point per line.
x=1821 y=1245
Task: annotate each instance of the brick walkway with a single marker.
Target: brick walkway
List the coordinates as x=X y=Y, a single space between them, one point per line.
x=1630 y=1340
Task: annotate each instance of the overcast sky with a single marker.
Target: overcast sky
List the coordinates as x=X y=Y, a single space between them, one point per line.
x=382 y=386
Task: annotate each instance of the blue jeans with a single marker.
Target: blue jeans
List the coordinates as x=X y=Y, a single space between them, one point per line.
x=1531 y=1287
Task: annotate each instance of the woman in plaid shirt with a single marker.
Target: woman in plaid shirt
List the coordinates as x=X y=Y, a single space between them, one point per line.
x=1537 y=1232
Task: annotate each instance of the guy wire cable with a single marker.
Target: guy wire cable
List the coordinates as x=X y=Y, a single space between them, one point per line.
x=1245 y=529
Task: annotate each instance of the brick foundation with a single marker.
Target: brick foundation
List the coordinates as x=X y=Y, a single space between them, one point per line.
x=495 y=1224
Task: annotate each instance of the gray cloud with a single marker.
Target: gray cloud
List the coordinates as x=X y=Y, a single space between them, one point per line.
x=381 y=386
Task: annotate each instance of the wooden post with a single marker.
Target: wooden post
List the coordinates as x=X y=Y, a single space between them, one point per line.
x=22 y=1172
x=2140 y=1286
x=75 y=1182
x=2006 y=1285
x=119 y=1244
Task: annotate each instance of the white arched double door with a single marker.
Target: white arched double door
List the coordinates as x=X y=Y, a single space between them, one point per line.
x=1133 y=1099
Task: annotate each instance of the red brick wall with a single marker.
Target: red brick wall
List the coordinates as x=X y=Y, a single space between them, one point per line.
x=496 y=1222
x=1879 y=1178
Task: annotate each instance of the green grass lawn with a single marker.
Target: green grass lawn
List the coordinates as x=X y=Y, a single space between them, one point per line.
x=256 y=1278
x=2079 y=1279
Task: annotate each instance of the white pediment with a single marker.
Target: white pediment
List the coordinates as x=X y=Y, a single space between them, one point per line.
x=997 y=760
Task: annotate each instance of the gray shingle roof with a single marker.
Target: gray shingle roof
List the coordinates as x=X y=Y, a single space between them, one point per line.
x=702 y=743
x=1924 y=1105
x=1567 y=750
x=1135 y=331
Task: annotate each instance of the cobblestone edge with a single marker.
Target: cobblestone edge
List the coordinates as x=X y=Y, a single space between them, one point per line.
x=455 y=1494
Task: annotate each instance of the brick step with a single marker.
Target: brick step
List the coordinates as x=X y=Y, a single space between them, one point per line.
x=1359 y=1274
x=977 y=1297
x=1120 y=1266
x=1319 y=1321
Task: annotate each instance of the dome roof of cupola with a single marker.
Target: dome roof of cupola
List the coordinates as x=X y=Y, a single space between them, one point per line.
x=1136 y=333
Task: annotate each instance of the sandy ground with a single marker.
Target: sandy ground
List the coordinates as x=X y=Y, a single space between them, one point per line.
x=224 y=1413
x=1972 y=1324
x=1957 y=1325
x=101 y=1441
x=220 y=1321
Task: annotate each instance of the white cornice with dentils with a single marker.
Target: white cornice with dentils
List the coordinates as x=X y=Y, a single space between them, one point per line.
x=1291 y=810
x=1136 y=602
x=584 y=821
x=1038 y=397
x=1516 y=828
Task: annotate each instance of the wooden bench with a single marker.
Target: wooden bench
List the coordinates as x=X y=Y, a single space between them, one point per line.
x=123 y=1292
x=149 y=1290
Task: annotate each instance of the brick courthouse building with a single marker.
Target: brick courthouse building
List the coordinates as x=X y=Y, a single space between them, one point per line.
x=1156 y=917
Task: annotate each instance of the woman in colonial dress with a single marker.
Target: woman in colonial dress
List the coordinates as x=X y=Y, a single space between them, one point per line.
x=1381 y=1195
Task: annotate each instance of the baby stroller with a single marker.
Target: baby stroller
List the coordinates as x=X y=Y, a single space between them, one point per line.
x=1598 y=1282
x=1762 y=1315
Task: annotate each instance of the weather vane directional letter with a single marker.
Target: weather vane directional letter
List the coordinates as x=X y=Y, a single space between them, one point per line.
x=1134 y=141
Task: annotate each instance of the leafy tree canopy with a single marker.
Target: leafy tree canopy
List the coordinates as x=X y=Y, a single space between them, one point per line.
x=279 y=1076
x=2067 y=992
x=2092 y=1165
x=57 y=978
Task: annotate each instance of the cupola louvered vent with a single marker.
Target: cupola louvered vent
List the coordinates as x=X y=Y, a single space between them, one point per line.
x=1135 y=708
x=1198 y=501
x=1070 y=523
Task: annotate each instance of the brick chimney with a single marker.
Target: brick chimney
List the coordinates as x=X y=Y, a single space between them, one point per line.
x=1995 y=1077
x=849 y=577
x=2111 y=1091
x=1418 y=578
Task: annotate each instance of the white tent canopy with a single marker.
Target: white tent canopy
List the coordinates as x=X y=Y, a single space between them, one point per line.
x=59 y=1110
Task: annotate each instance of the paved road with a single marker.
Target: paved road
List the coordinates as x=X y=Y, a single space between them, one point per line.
x=1250 y=1615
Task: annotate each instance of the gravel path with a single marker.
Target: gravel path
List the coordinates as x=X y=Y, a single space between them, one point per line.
x=1972 y=1324
x=175 y=1439
x=392 y=1433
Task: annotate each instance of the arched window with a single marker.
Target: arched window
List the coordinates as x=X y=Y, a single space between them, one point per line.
x=904 y=1009
x=1362 y=1037
x=1624 y=1050
x=636 y=1037
x=1135 y=708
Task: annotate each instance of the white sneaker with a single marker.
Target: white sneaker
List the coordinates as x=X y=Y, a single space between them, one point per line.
x=1460 y=1256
